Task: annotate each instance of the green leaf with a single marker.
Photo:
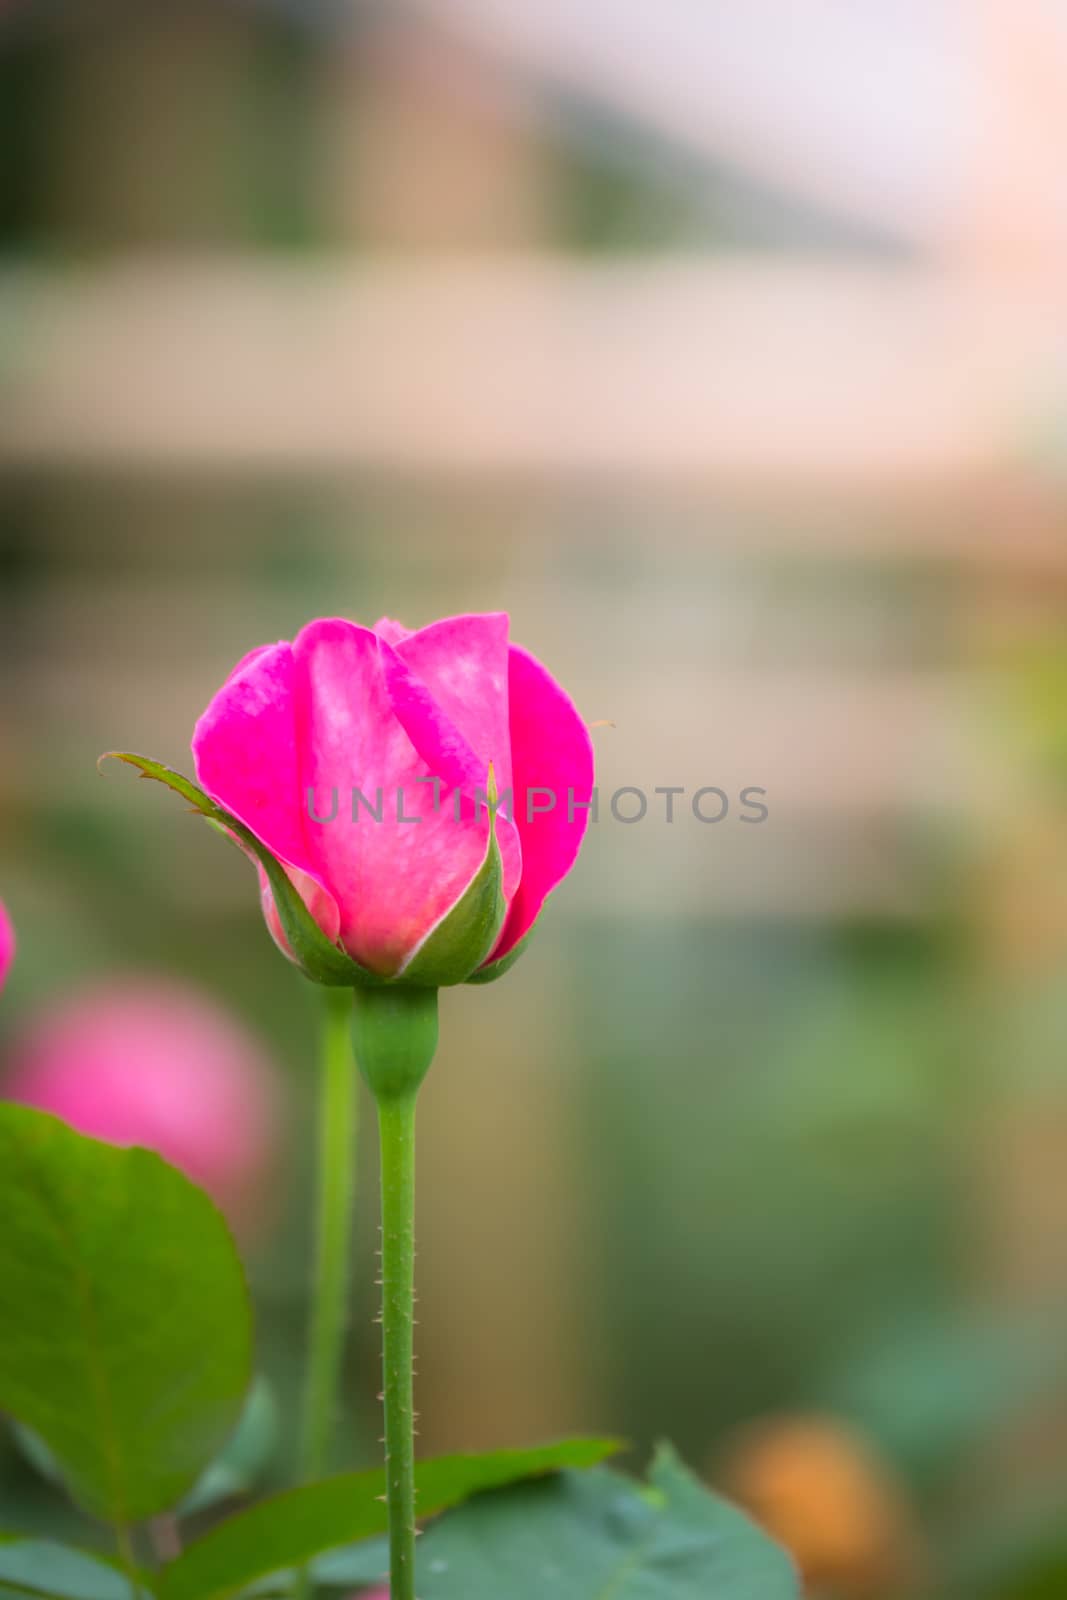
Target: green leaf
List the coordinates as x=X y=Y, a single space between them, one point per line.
x=41 y=1567
x=125 y=1331
x=354 y=1566
x=289 y=1529
x=236 y=1471
x=466 y=934
x=246 y=1457
x=33 y=1449
x=319 y=959
x=360 y=1563
x=598 y=1536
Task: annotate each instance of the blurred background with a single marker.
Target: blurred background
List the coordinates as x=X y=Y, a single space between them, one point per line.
x=726 y=348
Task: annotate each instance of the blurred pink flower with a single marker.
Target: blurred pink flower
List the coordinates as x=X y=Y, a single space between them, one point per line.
x=157 y=1064
x=7 y=944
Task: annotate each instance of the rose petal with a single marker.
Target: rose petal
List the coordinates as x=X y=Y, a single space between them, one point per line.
x=395 y=878
x=7 y=943
x=463 y=661
x=392 y=632
x=247 y=660
x=449 y=687
x=244 y=750
x=550 y=749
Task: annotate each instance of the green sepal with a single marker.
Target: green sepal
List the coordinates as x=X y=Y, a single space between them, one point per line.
x=394 y=1038
x=466 y=934
x=317 y=958
x=497 y=969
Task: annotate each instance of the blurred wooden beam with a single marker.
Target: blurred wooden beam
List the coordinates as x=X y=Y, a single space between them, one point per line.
x=777 y=378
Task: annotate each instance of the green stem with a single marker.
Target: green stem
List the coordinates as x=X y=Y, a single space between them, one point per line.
x=333 y=1226
x=335 y=1183
x=396 y=1123
x=395 y=1035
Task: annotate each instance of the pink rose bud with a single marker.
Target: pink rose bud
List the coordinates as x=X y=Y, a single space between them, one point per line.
x=7 y=944
x=361 y=759
x=156 y=1064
